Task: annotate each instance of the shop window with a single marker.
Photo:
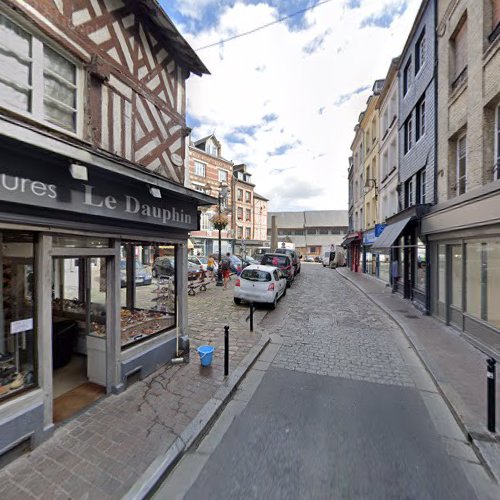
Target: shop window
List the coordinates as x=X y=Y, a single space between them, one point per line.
x=473 y=278
x=384 y=266
x=17 y=334
x=420 y=266
x=442 y=273
x=149 y=300
x=70 y=241
x=493 y=280
x=456 y=276
x=36 y=79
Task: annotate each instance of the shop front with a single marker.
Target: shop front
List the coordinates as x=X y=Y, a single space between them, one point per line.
x=374 y=263
x=401 y=241
x=352 y=244
x=93 y=290
x=465 y=282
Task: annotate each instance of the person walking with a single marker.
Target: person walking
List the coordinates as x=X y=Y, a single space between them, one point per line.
x=395 y=275
x=211 y=265
x=226 y=269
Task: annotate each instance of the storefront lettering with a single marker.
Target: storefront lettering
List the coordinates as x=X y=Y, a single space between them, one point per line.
x=134 y=206
x=24 y=185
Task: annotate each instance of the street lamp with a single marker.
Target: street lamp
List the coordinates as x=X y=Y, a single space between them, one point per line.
x=222 y=196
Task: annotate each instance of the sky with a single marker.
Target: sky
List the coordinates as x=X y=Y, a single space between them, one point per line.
x=285 y=99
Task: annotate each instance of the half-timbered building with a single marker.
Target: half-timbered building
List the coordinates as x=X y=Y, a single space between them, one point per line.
x=94 y=212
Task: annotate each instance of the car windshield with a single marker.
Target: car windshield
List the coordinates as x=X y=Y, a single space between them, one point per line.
x=235 y=260
x=255 y=275
x=275 y=260
x=203 y=260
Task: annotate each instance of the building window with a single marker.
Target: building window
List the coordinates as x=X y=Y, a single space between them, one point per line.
x=421 y=185
x=200 y=168
x=211 y=148
x=248 y=197
x=248 y=233
x=239 y=232
x=36 y=79
x=496 y=166
x=222 y=175
x=420 y=52
x=248 y=215
x=409 y=199
x=459 y=56
x=408 y=134
x=495 y=20
x=407 y=77
x=462 y=165
x=239 y=213
x=420 y=116
x=240 y=195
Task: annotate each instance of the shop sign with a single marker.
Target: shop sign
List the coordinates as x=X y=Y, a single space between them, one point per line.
x=369 y=237
x=22 y=325
x=379 y=229
x=54 y=188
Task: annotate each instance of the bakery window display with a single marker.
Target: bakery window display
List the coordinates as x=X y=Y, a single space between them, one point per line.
x=17 y=342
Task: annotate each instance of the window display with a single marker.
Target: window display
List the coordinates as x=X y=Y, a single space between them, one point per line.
x=456 y=276
x=384 y=266
x=149 y=299
x=473 y=287
x=17 y=338
x=421 y=266
x=493 y=273
x=442 y=273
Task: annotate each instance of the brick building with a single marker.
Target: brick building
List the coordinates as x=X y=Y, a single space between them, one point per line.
x=243 y=208
x=92 y=121
x=209 y=172
x=464 y=228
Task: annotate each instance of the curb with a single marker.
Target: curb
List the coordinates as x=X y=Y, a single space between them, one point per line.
x=193 y=433
x=467 y=434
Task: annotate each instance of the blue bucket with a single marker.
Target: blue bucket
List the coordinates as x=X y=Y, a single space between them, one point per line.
x=206 y=353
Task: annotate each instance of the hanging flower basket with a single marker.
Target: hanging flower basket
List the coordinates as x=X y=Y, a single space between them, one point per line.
x=219 y=221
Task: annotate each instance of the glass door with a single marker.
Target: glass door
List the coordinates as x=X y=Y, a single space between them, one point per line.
x=455 y=295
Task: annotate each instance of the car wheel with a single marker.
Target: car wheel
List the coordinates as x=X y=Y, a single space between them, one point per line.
x=154 y=273
x=237 y=301
x=275 y=302
x=288 y=284
x=284 y=292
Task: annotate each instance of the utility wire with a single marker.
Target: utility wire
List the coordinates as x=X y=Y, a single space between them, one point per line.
x=280 y=20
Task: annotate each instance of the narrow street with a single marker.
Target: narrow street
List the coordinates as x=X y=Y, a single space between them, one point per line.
x=338 y=406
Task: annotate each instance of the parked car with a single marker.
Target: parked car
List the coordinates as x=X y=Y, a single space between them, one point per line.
x=309 y=258
x=293 y=255
x=248 y=261
x=262 y=284
x=143 y=275
x=282 y=262
x=163 y=266
x=318 y=258
x=200 y=261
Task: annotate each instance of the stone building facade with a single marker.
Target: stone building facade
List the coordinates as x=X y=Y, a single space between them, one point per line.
x=464 y=228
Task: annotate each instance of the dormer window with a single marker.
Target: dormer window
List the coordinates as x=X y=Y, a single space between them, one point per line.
x=211 y=148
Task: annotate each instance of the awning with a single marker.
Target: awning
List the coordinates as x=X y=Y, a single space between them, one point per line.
x=350 y=238
x=390 y=235
x=190 y=245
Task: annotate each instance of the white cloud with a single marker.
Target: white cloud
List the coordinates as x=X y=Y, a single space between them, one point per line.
x=271 y=72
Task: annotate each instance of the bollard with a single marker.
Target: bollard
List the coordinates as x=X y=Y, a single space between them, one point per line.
x=491 y=374
x=251 y=316
x=226 y=351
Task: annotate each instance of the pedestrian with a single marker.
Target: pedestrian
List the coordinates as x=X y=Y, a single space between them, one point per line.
x=395 y=275
x=226 y=269
x=211 y=265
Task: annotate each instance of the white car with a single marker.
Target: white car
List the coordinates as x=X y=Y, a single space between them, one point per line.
x=263 y=284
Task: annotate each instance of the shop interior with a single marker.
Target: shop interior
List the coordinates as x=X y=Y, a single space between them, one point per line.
x=79 y=308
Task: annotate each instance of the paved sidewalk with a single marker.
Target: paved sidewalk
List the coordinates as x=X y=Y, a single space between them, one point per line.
x=458 y=367
x=101 y=453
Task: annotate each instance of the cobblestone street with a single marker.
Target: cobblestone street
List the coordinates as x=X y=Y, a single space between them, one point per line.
x=102 y=452
x=331 y=329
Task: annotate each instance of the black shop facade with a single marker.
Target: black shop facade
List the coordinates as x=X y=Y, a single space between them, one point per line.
x=88 y=302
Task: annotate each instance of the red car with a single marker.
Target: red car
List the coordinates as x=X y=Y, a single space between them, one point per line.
x=282 y=262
